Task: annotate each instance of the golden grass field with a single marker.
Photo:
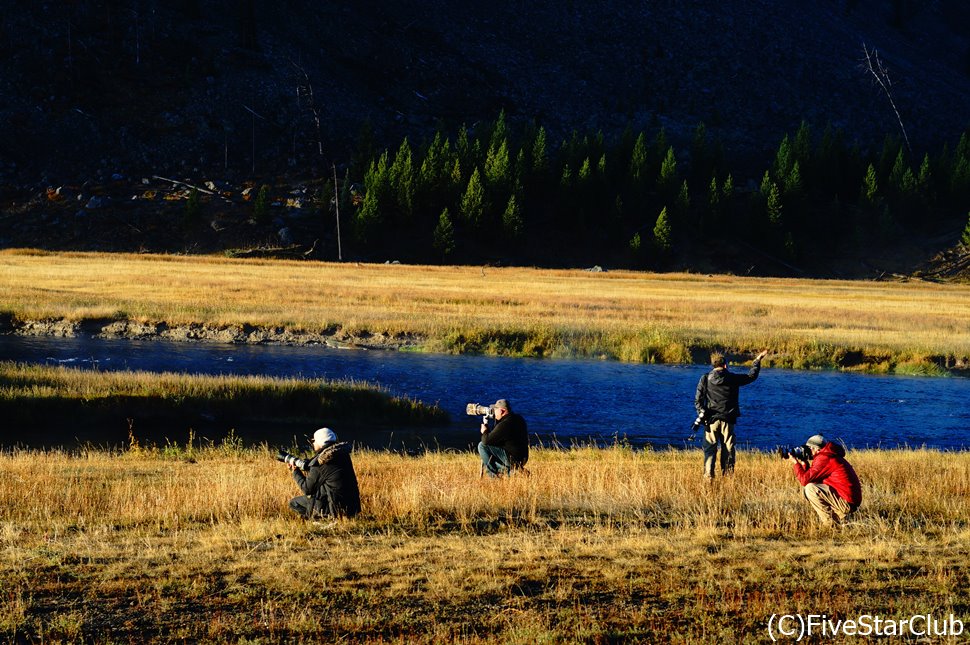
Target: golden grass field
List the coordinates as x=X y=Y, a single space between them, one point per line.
x=596 y=545
x=195 y=544
x=634 y=316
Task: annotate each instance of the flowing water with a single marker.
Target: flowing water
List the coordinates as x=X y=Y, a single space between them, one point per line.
x=569 y=401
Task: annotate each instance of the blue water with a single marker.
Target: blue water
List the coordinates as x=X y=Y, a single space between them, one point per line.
x=572 y=400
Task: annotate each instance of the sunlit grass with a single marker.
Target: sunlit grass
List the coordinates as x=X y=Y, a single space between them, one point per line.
x=159 y=544
x=31 y=395
x=621 y=315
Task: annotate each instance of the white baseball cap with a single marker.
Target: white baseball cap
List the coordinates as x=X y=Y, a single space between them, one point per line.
x=324 y=435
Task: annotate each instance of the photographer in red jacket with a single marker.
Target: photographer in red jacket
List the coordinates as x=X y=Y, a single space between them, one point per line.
x=830 y=484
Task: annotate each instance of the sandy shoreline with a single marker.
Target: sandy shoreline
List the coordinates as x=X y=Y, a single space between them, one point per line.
x=198 y=332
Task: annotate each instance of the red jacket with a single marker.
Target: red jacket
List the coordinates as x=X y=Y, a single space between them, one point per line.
x=829 y=467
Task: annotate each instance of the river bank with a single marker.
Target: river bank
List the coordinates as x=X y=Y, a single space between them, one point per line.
x=878 y=327
x=596 y=545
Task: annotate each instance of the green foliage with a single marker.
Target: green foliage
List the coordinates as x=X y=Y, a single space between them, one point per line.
x=512 y=223
x=870 y=187
x=261 y=205
x=401 y=179
x=495 y=177
x=473 y=202
x=639 y=160
x=377 y=196
x=444 y=234
x=668 y=172
x=663 y=232
x=965 y=238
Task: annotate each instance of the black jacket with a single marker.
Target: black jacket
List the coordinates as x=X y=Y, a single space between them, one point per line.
x=717 y=393
x=330 y=481
x=512 y=435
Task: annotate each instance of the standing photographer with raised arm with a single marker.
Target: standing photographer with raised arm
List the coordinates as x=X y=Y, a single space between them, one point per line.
x=830 y=484
x=716 y=401
x=504 y=447
x=327 y=480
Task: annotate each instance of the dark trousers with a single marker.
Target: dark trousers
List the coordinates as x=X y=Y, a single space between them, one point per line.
x=303 y=505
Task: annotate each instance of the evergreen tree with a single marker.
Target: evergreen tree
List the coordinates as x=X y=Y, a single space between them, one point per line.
x=668 y=172
x=500 y=132
x=377 y=195
x=512 y=220
x=473 y=202
x=870 y=187
x=639 y=160
x=401 y=176
x=498 y=174
x=965 y=238
x=540 y=155
x=663 y=232
x=773 y=205
x=261 y=205
x=444 y=234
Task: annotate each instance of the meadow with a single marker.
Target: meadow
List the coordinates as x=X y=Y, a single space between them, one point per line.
x=901 y=327
x=195 y=544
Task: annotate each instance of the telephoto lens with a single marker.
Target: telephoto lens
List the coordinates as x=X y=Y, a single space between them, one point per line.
x=292 y=460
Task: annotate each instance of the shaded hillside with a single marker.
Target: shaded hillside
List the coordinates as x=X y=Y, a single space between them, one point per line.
x=98 y=95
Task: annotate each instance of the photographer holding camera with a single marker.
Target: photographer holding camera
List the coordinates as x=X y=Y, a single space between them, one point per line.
x=329 y=483
x=504 y=447
x=716 y=401
x=829 y=483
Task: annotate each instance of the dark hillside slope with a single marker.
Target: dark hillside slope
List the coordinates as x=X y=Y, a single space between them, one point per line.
x=135 y=85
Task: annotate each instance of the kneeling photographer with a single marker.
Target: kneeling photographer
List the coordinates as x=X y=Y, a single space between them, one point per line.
x=327 y=479
x=829 y=482
x=504 y=447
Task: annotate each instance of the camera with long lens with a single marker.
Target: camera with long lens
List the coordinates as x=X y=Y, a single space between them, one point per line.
x=292 y=460
x=485 y=411
x=800 y=453
x=699 y=423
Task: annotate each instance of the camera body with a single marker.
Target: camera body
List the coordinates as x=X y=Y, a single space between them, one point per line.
x=800 y=453
x=485 y=411
x=292 y=460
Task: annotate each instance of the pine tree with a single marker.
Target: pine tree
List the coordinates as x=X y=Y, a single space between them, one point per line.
x=870 y=187
x=512 y=220
x=261 y=205
x=773 y=204
x=639 y=160
x=377 y=194
x=498 y=175
x=401 y=176
x=663 y=233
x=473 y=202
x=965 y=239
x=668 y=172
x=540 y=158
x=444 y=234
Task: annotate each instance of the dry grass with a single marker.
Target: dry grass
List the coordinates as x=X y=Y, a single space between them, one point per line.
x=622 y=314
x=596 y=545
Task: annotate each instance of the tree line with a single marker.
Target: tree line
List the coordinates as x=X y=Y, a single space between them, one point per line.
x=496 y=195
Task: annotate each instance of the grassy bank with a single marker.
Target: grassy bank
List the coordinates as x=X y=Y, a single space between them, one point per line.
x=596 y=545
x=37 y=399
x=911 y=327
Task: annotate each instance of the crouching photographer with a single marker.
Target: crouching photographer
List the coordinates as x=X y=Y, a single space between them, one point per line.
x=829 y=482
x=504 y=447
x=327 y=479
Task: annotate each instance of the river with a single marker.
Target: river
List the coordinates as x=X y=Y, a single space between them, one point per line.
x=570 y=401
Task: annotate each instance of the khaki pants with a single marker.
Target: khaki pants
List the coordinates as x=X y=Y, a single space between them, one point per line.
x=831 y=508
x=719 y=437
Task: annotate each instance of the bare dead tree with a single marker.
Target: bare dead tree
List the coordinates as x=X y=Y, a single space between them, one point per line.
x=304 y=96
x=874 y=66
